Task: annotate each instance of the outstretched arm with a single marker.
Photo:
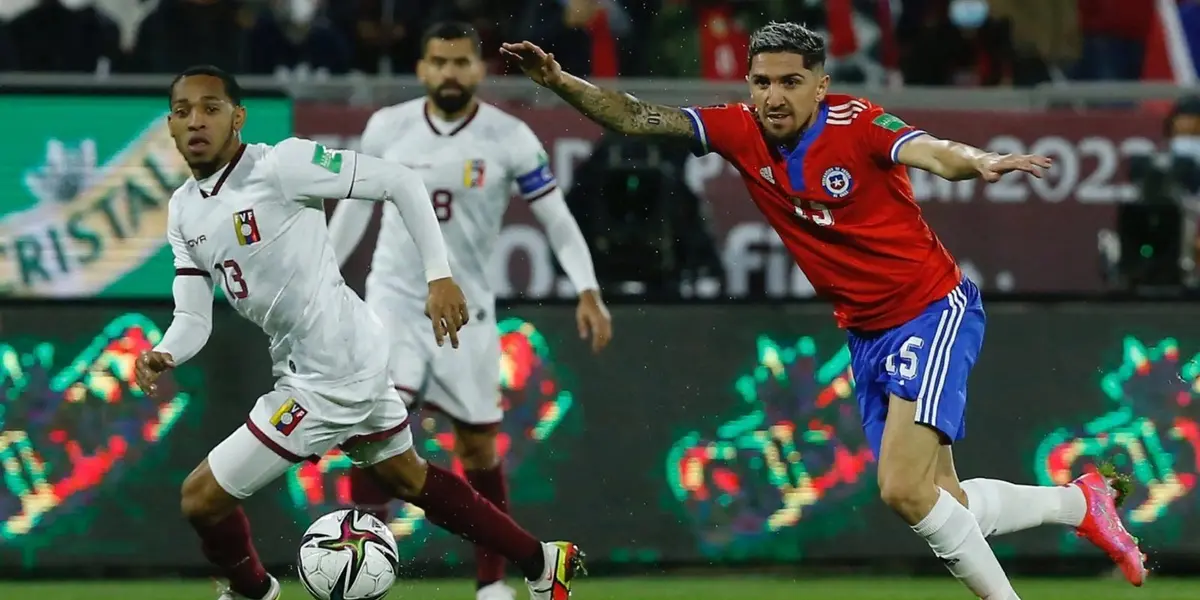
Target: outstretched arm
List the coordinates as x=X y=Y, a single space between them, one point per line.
x=622 y=112
x=956 y=161
x=615 y=110
x=890 y=140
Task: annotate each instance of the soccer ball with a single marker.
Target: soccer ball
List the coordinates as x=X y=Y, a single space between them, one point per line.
x=348 y=555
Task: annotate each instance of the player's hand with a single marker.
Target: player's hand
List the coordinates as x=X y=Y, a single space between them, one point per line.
x=149 y=366
x=593 y=320
x=992 y=167
x=535 y=62
x=447 y=308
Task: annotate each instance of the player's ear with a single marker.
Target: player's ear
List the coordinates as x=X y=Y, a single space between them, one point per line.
x=239 y=117
x=822 y=87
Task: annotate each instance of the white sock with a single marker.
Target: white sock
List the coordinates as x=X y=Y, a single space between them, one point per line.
x=952 y=533
x=1001 y=507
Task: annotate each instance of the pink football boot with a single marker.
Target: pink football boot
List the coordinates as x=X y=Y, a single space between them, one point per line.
x=1102 y=526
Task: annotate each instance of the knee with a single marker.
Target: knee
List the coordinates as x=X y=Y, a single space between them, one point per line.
x=202 y=500
x=401 y=476
x=910 y=496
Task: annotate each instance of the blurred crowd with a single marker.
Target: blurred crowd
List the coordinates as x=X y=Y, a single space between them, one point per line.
x=928 y=42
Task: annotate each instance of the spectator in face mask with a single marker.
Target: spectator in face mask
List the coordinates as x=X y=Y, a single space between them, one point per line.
x=65 y=36
x=292 y=36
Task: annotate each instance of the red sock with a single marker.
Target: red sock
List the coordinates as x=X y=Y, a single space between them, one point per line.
x=450 y=503
x=227 y=545
x=367 y=495
x=490 y=483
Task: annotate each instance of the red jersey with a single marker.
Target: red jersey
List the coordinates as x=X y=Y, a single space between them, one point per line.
x=843 y=206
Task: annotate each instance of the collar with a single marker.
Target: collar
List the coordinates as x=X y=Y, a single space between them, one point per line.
x=221 y=176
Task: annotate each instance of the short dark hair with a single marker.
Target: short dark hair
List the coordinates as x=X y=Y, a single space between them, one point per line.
x=792 y=38
x=451 y=30
x=232 y=89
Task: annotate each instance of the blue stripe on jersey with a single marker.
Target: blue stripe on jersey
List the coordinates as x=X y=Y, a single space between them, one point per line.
x=795 y=158
x=902 y=140
x=698 y=130
x=536 y=180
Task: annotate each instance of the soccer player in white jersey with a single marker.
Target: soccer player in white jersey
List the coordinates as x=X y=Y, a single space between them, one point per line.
x=471 y=156
x=251 y=220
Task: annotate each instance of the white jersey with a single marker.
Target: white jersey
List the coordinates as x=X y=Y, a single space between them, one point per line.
x=257 y=228
x=471 y=170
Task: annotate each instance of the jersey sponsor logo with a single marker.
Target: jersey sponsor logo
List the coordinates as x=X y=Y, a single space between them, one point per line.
x=767 y=174
x=330 y=160
x=288 y=417
x=245 y=226
x=473 y=173
x=192 y=243
x=837 y=182
x=889 y=122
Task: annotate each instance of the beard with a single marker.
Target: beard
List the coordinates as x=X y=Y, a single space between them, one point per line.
x=203 y=167
x=452 y=103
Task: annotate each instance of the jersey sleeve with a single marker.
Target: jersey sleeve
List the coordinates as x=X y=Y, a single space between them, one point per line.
x=884 y=133
x=307 y=170
x=724 y=128
x=531 y=165
x=184 y=263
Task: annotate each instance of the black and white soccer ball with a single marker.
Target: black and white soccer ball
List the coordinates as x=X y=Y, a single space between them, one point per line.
x=348 y=555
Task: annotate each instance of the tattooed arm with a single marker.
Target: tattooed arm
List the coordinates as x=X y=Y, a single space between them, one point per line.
x=612 y=109
x=622 y=112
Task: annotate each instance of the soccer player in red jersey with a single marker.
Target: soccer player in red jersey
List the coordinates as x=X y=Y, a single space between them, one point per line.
x=829 y=172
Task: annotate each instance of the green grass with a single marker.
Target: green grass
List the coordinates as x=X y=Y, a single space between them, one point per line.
x=662 y=588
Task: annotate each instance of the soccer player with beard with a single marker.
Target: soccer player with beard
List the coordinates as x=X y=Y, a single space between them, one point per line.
x=472 y=157
x=830 y=173
x=251 y=219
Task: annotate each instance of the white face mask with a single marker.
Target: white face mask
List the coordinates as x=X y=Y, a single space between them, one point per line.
x=968 y=14
x=302 y=11
x=76 y=4
x=1186 y=145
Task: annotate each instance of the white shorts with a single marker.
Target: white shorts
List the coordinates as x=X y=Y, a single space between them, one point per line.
x=289 y=425
x=464 y=383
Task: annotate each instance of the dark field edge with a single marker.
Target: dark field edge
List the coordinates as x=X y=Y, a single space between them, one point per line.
x=1178 y=565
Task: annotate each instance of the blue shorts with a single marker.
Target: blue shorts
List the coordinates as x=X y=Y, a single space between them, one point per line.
x=926 y=360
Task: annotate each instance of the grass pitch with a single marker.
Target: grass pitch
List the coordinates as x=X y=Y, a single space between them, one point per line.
x=660 y=588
